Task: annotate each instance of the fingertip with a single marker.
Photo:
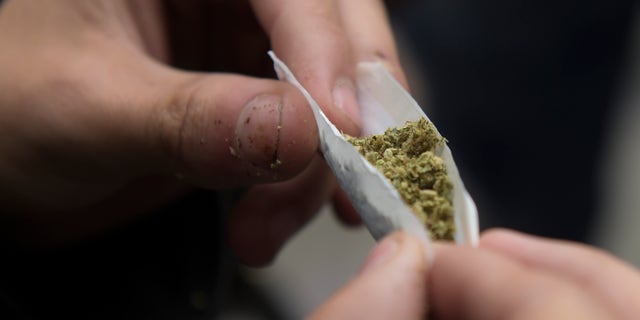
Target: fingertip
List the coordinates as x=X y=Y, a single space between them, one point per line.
x=259 y=226
x=414 y=250
x=344 y=210
x=382 y=252
x=391 y=64
x=277 y=133
x=224 y=130
x=367 y=27
x=258 y=130
x=401 y=258
x=440 y=246
x=244 y=248
x=391 y=284
x=322 y=63
x=503 y=231
x=507 y=241
x=494 y=235
x=268 y=215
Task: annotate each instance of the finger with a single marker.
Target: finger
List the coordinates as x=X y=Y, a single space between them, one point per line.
x=604 y=276
x=270 y=214
x=466 y=283
x=192 y=121
x=368 y=30
x=344 y=210
x=308 y=37
x=226 y=130
x=216 y=130
x=391 y=285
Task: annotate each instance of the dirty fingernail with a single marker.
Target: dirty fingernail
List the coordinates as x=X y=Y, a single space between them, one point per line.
x=257 y=132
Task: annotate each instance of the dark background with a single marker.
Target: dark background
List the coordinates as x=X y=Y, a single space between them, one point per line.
x=523 y=90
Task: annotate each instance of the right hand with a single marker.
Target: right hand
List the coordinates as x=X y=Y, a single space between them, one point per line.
x=511 y=276
x=518 y=276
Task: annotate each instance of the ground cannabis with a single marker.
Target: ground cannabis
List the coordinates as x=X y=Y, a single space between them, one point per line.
x=405 y=155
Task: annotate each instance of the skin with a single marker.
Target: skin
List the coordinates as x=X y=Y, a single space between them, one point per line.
x=98 y=129
x=510 y=276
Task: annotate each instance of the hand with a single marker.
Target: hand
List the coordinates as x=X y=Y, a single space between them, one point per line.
x=511 y=276
x=97 y=129
x=390 y=285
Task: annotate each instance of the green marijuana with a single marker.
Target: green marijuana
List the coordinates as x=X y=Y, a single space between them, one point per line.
x=405 y=155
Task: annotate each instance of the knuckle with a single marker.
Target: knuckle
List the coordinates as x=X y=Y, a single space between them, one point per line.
x=175 y=122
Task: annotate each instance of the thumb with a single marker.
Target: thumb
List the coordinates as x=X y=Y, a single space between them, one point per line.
x=224 y=130
x=391 y=284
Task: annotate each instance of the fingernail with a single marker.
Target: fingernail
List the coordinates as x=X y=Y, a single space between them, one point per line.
x=257 y=133
x=344 y=98
x=382 y=58
x=393 y=68
x=383 y=252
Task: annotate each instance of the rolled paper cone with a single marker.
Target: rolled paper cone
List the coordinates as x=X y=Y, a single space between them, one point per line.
x=383 y=104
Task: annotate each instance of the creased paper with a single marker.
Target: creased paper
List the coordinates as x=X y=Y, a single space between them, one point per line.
x=383 y=104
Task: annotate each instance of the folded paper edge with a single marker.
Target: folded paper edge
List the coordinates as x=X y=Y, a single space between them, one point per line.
x=377 y=88
x=465 y=212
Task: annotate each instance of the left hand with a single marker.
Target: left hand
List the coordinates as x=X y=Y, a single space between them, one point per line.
x=96 y=127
